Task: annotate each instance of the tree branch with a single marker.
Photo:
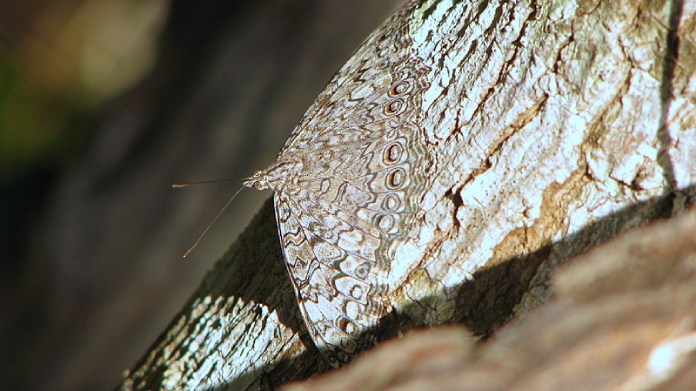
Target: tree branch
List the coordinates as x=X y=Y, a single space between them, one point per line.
x=549 y=131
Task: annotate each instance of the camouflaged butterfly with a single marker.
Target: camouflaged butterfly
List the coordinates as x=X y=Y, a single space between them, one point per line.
x=347 y=185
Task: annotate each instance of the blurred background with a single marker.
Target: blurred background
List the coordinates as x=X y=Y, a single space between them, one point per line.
x=104 y=104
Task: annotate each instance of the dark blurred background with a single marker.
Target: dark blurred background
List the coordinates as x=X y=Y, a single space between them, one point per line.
x=104 y=104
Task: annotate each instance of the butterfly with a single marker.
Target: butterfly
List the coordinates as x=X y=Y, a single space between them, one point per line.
x=347 y=186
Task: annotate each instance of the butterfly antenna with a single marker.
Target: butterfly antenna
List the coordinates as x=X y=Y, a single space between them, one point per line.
x=180 y=185
x=212 y=222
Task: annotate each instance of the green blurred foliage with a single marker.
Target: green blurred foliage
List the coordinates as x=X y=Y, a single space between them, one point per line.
x=36 y=127
x=61 y=63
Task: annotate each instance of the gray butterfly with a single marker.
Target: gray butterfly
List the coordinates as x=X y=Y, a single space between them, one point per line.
x=347 y=185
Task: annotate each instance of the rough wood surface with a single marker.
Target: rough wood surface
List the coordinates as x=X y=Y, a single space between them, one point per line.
x=552 y=127
x=623 y=318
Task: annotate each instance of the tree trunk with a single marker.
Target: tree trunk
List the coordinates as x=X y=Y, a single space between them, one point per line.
x=622 y=318
x=551 y=128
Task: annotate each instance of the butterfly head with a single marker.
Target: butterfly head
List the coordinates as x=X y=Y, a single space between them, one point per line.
x=275 y=177
x=258 y=181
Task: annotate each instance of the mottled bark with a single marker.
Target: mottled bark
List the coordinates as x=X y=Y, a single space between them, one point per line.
x=623 y=318
x=552 y=127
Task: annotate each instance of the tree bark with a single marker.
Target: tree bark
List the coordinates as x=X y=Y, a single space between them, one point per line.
x=552 y=127
x=622 y=318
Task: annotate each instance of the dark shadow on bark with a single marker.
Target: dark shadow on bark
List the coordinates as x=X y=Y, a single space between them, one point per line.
x=666 y=90
x=486 y=302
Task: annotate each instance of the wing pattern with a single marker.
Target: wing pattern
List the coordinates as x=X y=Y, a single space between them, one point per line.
x=347 y=185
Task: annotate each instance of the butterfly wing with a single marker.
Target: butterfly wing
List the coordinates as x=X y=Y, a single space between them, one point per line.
x=333 y=271
x=362 y=173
